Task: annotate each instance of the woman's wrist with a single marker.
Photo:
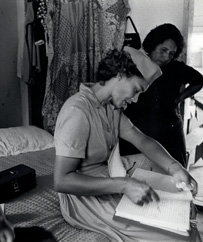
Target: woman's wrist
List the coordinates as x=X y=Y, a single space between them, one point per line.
x=123 y=184
x=174 y=167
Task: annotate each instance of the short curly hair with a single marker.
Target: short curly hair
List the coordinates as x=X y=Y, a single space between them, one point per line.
x=116 y=62
x=161 y=33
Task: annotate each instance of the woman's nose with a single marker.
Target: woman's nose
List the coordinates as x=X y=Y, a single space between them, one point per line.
x=166 y=56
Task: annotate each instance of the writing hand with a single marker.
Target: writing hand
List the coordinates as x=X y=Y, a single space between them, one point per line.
x=140 y=192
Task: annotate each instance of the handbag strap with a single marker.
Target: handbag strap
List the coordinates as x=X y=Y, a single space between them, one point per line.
x=128 y=17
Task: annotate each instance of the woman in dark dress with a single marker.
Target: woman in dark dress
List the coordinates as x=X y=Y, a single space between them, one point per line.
x=158 y=113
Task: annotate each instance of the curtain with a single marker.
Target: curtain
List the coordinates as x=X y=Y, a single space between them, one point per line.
x=78 y=34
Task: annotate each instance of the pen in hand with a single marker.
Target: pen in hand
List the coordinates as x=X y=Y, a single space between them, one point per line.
x=156 y=203
x=158 y=207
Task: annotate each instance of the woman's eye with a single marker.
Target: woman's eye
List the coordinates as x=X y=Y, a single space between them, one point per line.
x=163 y=50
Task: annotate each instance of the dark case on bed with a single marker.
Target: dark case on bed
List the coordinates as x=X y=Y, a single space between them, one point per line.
x=16 y=180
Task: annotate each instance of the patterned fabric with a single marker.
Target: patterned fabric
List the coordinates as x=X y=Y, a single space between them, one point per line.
x=40 y=206
x=42 y=11
x=79 y=33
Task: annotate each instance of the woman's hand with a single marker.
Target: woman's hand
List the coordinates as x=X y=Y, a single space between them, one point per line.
x=184 y=180
x=140 y=192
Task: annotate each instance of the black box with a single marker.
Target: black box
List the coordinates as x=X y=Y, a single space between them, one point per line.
x=16 y=180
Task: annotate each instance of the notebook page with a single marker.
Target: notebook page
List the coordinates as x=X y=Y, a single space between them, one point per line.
x=171 y=213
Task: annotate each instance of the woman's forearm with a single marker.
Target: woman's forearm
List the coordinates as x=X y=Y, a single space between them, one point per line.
x=68 y=180
x=159 y=155
x=84 y=185
x=153 y=150
x=188 y=92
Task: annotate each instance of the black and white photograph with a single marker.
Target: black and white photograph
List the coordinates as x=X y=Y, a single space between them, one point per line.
x=101 y=120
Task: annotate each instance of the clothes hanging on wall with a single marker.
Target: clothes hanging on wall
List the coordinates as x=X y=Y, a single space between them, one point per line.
x=32 y=56
x=79 y=34
x=32 y=36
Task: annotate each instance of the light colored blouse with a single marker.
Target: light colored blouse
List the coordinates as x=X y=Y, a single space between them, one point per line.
x=84 y=129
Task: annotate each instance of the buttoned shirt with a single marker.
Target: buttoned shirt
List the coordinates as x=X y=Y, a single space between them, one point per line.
x=87 y=130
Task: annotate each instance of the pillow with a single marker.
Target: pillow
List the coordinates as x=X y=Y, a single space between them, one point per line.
x=16 y=140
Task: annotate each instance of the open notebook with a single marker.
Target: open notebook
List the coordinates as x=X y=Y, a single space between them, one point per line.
x=172 y=213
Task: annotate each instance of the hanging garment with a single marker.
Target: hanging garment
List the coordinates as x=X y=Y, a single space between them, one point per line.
x=32 y=36
x=79 y=34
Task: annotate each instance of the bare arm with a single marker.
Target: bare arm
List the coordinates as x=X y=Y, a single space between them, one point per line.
x=188 y=92
x=156 y=153
x=151 y=148
x=68 y=180
x=189 y=76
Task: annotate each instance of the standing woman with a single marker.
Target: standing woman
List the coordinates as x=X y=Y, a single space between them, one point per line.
x=157 y=114
x=87 y=129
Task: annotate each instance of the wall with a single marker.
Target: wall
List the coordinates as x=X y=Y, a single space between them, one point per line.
x=10 y=101
x=198 y=16
x=195 y=59
x=147 y=14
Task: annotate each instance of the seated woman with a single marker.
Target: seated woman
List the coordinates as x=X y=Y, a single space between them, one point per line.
x=87 y=128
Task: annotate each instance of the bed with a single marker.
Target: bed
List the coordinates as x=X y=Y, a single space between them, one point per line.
x=39 y=206
x=34 y=147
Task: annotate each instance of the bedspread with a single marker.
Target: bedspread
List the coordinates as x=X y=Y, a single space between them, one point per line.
x=40 y=206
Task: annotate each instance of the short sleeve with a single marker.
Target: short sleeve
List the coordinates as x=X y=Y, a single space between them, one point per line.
x=71 y=133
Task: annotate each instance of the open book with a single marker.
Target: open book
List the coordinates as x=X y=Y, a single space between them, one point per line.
x=172 y=213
